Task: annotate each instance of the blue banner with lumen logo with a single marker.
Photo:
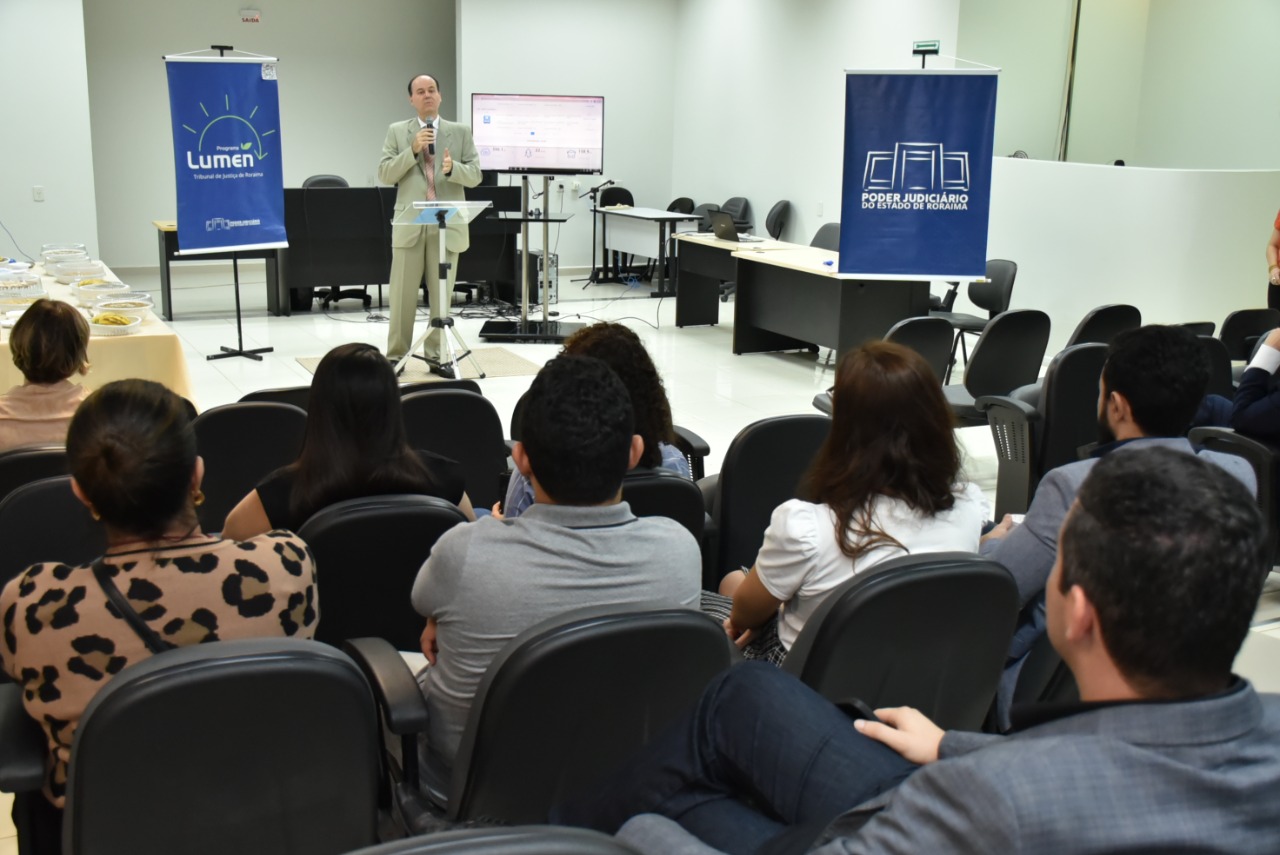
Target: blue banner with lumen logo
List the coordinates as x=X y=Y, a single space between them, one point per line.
x=917 y=172
x=226 y=151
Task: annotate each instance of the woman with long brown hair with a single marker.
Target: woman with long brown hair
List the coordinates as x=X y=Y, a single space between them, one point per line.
x=887 y=482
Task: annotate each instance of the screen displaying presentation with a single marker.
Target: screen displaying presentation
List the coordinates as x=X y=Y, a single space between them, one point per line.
x=543 y=134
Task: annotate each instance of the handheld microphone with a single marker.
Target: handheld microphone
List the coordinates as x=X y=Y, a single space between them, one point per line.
x=431 y=146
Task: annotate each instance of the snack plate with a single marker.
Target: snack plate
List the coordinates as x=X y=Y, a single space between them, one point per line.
x=135 y=323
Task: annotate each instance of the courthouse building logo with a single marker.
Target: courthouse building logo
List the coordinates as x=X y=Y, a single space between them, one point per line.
x=919 y=176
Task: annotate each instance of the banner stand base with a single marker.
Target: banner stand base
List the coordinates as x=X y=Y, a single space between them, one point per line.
x=238 y=350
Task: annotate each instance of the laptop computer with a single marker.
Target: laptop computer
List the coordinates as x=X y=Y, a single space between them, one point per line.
x=723 y=228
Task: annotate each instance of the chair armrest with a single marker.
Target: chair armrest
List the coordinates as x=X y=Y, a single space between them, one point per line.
x=1012 y=425
x=822 y=402
x=22 y=744
x=394 y=687
x=694 y=447
x=989 y=402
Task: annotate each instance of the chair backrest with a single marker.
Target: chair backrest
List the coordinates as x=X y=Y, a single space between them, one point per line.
x=28 y=463
x=464 y=427
x=1200 y=327
x=681 y=205
x=1069 y=406
x=370 y=551
x=1104 y=323
x=324 y=181
x=1265 y=460
x=259 y=746
x=929 y=337
x=704 y=212
x=241 y=444
x=1044 y=678
x=930 y=631
x=517 y=840
x=44 y=521
x=298 y=396
x=1242 y=327
x=1220 y=380
x=995 y=293
x=663 y=493
x=827 y=237
x=569 y=700
x=1008 y=353
x=437 y=385
x=739 y=208
x=762 y=468
x=616 y=195
x=776 y=220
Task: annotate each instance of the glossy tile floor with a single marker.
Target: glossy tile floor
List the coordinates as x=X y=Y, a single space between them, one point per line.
x=712 y=391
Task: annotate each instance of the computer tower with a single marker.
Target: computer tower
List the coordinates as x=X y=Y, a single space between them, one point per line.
x=535 y=261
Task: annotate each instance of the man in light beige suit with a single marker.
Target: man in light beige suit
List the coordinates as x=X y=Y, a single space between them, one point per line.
x=426 y=157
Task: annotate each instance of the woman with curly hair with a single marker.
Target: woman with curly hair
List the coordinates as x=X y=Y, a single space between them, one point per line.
x=886 y=483
x=621 y=349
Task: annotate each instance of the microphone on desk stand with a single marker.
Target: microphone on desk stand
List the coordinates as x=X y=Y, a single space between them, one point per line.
x=596 y=189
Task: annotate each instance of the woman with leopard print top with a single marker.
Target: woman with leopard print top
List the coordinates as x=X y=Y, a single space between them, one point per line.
x=132 y=456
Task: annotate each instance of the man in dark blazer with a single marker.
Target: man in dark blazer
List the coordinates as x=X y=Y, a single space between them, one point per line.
x=426 y=157
x=1159 y=571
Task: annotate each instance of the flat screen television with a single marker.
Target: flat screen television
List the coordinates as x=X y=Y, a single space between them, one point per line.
x=540 y=134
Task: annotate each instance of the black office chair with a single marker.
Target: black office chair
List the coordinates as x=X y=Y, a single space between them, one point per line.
x=1220 y=374
x=371 y=550
x=929 y=337
x=1265 y=460
x=1031 y=439
x=1241 y=330
x=827 y=237
x=740 y=209
x=663 y=493
x=517 y=840
x=44 y=521
x=464 y=427
x=776 y=220
x=681 y=205
x=762 y=468
x=27 y=463
x=1199 y=327
x=258 y=746
x=610 y=196
x=1104 y=323
x=929 y=631
x=241 y=444
x=563 y=705
x=324 y=181
x=704 y=212
x=993 y=295
x=1007 y=356
x=300 y=396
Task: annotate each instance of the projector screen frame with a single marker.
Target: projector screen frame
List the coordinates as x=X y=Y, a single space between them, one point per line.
x=536 y=170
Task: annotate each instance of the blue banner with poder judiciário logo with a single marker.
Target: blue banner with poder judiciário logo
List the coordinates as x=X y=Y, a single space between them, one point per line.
x=226 y=149
x=917 y=172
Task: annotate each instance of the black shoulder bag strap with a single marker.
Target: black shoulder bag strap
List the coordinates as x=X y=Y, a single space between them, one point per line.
x=154 y=642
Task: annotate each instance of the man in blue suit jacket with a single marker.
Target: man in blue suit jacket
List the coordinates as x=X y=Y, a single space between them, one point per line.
x=1160 y=567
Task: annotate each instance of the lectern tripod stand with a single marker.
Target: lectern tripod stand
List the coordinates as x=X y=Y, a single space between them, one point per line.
x=435 y=215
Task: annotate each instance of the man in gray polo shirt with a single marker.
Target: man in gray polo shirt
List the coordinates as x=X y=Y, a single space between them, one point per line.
x=578 y=545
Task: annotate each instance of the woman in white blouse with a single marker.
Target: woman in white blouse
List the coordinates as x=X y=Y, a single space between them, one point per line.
x=886 y=483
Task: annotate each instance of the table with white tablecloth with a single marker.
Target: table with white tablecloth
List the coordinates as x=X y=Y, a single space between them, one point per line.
x=154 y=352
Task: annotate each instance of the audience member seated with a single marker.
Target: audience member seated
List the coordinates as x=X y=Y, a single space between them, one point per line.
x=132 y=456
x=578 y=545
x=49 y=343
x=1255 y=409
x=886 y=482
x=1152 y=382
x=621 y=349
x=1149 y=601
x=354 y=446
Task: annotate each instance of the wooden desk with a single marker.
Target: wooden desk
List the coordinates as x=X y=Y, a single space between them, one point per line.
x=790 y=299
x=277 y=290
x=633 y=230
x=154 y=352
x=704 y=262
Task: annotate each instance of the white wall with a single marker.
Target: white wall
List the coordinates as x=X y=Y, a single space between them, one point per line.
x=616 y=48
x=343 y=70
x=1029 y=42
x=1108 y=81
x=759 y=103
x=1181 y=245
x=1208 y=92
x=46 y=127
